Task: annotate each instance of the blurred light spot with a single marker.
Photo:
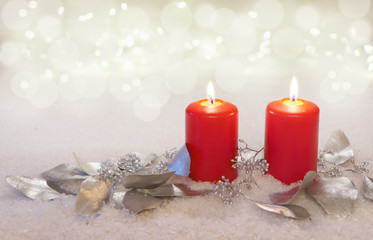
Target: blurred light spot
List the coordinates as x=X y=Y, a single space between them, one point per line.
x=270 y=13
x=222 y=20
x=174 y=18
x=252 y=14
x=33 y=4
x=112 y=11
x=307 y=17
x=124 y=6
x=315 y=32
x=181 y=77
x=181 y=5
x=30 y=35
x=332 y=74
x=354 y=8
x=22 y=12
x=203 y=15
x=287 y=43
x=230 y=75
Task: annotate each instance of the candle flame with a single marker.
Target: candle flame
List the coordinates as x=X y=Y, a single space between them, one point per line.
x=294 y=89
x=210 y=93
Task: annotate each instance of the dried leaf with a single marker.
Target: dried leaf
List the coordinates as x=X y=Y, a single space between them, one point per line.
x=335 y=195
x=33 y=188
x=340 y=147
x=145 y=181
x=368 y=187
x=291 y=211
x=174 y=190
x=136 y=201
x=286 y=197
x=89 y=168
x=181 y=162
x=93 y=193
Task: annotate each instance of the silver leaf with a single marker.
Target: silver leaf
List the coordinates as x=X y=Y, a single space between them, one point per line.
x=89 y=168
x=93 y=192
x=33 y=188
x=136 y=201
x=69 y=186
x=285 y=197
x=64 y=172
x=291 y=211
x=340 y=148
x=145 y=181
x=174 y=190
x=117 y=199
x=335 y=195
x=181 y=162
x=368 y=187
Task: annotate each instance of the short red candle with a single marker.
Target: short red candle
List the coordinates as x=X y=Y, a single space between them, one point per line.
x=291 y=139
x=211 y=135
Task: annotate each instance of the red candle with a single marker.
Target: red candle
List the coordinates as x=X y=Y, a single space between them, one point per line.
x=291 y=137
x=211 y=135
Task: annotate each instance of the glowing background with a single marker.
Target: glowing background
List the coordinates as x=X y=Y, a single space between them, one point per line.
x=93 y=72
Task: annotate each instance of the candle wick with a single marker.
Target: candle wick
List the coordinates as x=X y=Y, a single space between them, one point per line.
x=211 y=100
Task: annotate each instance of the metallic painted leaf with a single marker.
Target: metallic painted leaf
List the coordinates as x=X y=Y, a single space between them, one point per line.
x=64 y=172
x=33 y=188
x=335 y=195
x=93 y=193
x=286 y=197
x=174 y=190
x=89 y=168
x=290 y=211
x=181 y=162
x=368 y=187
x=69 y=186
x=145 y=181
x=339 y=144
x=137 y=202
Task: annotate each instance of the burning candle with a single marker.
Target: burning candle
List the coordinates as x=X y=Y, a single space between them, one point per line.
x=211 y=135
x=291 y=137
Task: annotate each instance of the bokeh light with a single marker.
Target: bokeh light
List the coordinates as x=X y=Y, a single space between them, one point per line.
x=142 y=52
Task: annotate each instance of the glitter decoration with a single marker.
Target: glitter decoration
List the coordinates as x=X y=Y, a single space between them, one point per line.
x=247 y=161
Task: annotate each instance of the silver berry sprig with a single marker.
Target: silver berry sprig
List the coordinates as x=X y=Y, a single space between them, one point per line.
x=247 y=161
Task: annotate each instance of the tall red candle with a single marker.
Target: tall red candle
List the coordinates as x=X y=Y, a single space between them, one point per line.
x=291 y=138
x=211 y=135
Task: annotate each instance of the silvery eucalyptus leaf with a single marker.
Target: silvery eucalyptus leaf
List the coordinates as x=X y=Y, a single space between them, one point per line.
x=335 y=195
x=368 y=187
x=181 y=162
x=137 y=202
x=174 y=190
x=90 y=168
x=286 y=197
x=339 y=145
x=290 y=211
x=69 y=187
x=145 y=181
x=65 y=178
x=33 y=188
x=64 y=172
x=93 y=192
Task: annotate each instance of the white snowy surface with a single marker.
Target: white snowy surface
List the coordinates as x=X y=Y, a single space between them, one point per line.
x=33 y=140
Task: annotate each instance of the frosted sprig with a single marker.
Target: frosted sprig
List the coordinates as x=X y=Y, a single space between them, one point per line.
x=226 y=190
x=110 y=171
x=246 y=160
x=130 y=163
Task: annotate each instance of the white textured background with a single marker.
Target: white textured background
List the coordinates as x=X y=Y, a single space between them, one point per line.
x=102 y=78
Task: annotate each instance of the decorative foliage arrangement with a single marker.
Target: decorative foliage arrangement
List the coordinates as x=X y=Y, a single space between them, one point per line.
x=137 y=182
x=335 y=193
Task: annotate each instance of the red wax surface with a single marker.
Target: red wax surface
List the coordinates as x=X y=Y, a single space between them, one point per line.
x=291 y=139
x=211 y=135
